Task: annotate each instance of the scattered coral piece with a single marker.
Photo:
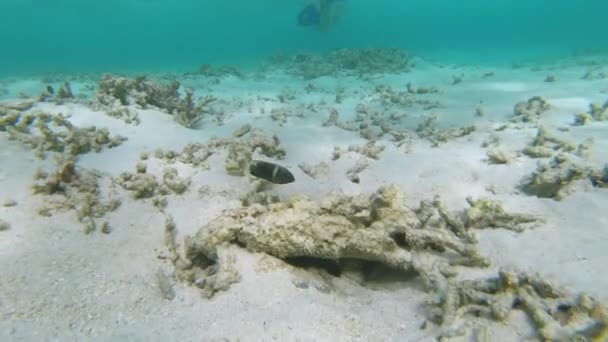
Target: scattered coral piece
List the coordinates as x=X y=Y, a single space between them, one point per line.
x=145 y=185
x=530 y=110
x=73 y=188
x=555 y=178
x=498 y=156
x=429 y=130
x=486 y=213
x=370 y=150
x=545 y=145
x=353 y=172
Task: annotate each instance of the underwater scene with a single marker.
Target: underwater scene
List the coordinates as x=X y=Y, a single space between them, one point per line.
x=303 y=170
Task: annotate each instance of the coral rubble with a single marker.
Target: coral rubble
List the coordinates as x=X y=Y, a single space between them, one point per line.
x=69 y=187
x=557 y=314
x=118 y=95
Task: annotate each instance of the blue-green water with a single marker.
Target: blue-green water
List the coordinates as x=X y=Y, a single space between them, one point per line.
x=86 y=35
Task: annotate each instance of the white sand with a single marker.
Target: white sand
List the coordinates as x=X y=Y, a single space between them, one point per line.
x=57 y=283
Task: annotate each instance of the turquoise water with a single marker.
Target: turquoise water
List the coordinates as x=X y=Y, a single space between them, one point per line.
x=86 y=35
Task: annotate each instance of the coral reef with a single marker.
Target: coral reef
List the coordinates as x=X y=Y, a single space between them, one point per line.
x=117 y=95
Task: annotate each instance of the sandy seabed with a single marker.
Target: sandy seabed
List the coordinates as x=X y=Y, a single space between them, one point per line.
x=61 y=280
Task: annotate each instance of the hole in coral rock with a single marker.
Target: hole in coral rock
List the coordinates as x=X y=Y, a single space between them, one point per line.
x=331 y=266
x=367 y=273
x=399 y=238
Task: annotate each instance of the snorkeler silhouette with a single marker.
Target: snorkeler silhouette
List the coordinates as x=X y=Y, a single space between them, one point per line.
x=320 y=14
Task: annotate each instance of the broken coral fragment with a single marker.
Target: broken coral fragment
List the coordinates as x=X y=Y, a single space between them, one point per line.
x=530 y=110
x=120 y=96
x=73 y=188
x=557 y=314
x=545 y=145
x=555 y=179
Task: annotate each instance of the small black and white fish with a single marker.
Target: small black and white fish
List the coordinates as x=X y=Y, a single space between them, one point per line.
x=271 y=172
